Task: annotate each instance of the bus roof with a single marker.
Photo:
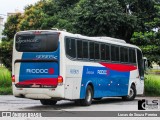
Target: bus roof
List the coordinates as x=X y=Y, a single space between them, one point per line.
x=104 y=39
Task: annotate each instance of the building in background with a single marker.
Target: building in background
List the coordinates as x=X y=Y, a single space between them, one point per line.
x=13 y=13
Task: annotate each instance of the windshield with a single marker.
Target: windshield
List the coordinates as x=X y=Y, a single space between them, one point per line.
x=43 y=42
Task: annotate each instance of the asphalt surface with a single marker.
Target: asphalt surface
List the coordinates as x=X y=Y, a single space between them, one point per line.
x=11 y=103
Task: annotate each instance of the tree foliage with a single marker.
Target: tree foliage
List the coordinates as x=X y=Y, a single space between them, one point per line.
x=6 y=53
x=131 y=20
x=148 y=37
x=104 y=18
x=11 y=26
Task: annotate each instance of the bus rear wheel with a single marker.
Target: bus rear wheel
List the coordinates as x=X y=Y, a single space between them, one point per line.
x=48 y=102
x=88 y=98
x=132 y=94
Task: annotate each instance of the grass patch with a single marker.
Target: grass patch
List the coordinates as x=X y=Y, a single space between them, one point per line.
x=6 y=91
x=152 y=85
x=5 y=81
x=153 y=71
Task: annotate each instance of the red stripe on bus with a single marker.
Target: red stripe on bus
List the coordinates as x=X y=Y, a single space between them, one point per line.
x=40 y=81
x=119 y=67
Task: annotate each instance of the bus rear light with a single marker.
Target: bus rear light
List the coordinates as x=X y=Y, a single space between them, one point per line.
x=13 y=78
x=60 y=79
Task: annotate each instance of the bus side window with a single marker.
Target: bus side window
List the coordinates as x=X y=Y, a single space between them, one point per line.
x=70 y=47
x=79 y=49
x=91 y=50
x=132 y=55
x=103 y=52
x=85 y=49
x=97 y=52
x=115 y=53
x=124 y=54
x=108 y=52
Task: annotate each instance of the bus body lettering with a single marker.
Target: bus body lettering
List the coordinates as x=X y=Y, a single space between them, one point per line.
x=36 y=71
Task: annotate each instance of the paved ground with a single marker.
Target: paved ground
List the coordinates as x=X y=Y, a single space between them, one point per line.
x=11 y=103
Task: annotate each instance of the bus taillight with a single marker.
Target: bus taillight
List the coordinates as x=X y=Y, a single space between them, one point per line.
x=60 y=79
x=13 y=78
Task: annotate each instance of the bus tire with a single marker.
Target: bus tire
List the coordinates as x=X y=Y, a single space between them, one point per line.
x=131 y=95
x=48 y=102
x=78 y=102
x=88 y=98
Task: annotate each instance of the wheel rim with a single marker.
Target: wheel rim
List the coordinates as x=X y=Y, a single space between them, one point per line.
x=131 y=93
x=89 y=96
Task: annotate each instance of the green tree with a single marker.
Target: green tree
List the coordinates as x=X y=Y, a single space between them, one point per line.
x=6 y=53
x=33 y=17
x=126 y=19
x=60 y=14
x=148 y=37
x=149 y=42
x=104 y=18
x=11 y=26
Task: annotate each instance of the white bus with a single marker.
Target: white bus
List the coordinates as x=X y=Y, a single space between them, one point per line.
x=53 y=65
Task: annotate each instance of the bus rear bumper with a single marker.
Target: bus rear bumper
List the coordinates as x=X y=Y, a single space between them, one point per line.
x=39 y=93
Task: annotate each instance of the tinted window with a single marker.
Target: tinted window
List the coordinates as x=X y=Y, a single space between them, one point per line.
x=114 y=53
x=96 y=48
x=107 y=52
x=85 y=50
x=124 y=54
x=132 y=56
x=70 y=47
x=79 y=49
x=36 y=42
x=91 y=50
x=103 y=51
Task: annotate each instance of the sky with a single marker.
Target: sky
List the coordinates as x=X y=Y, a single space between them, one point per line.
x=10 y=5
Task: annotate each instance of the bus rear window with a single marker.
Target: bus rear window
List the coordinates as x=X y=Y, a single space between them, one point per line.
x=36 y=42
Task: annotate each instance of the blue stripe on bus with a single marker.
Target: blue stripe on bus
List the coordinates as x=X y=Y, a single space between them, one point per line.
x=106 y=82
x=23 y=75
